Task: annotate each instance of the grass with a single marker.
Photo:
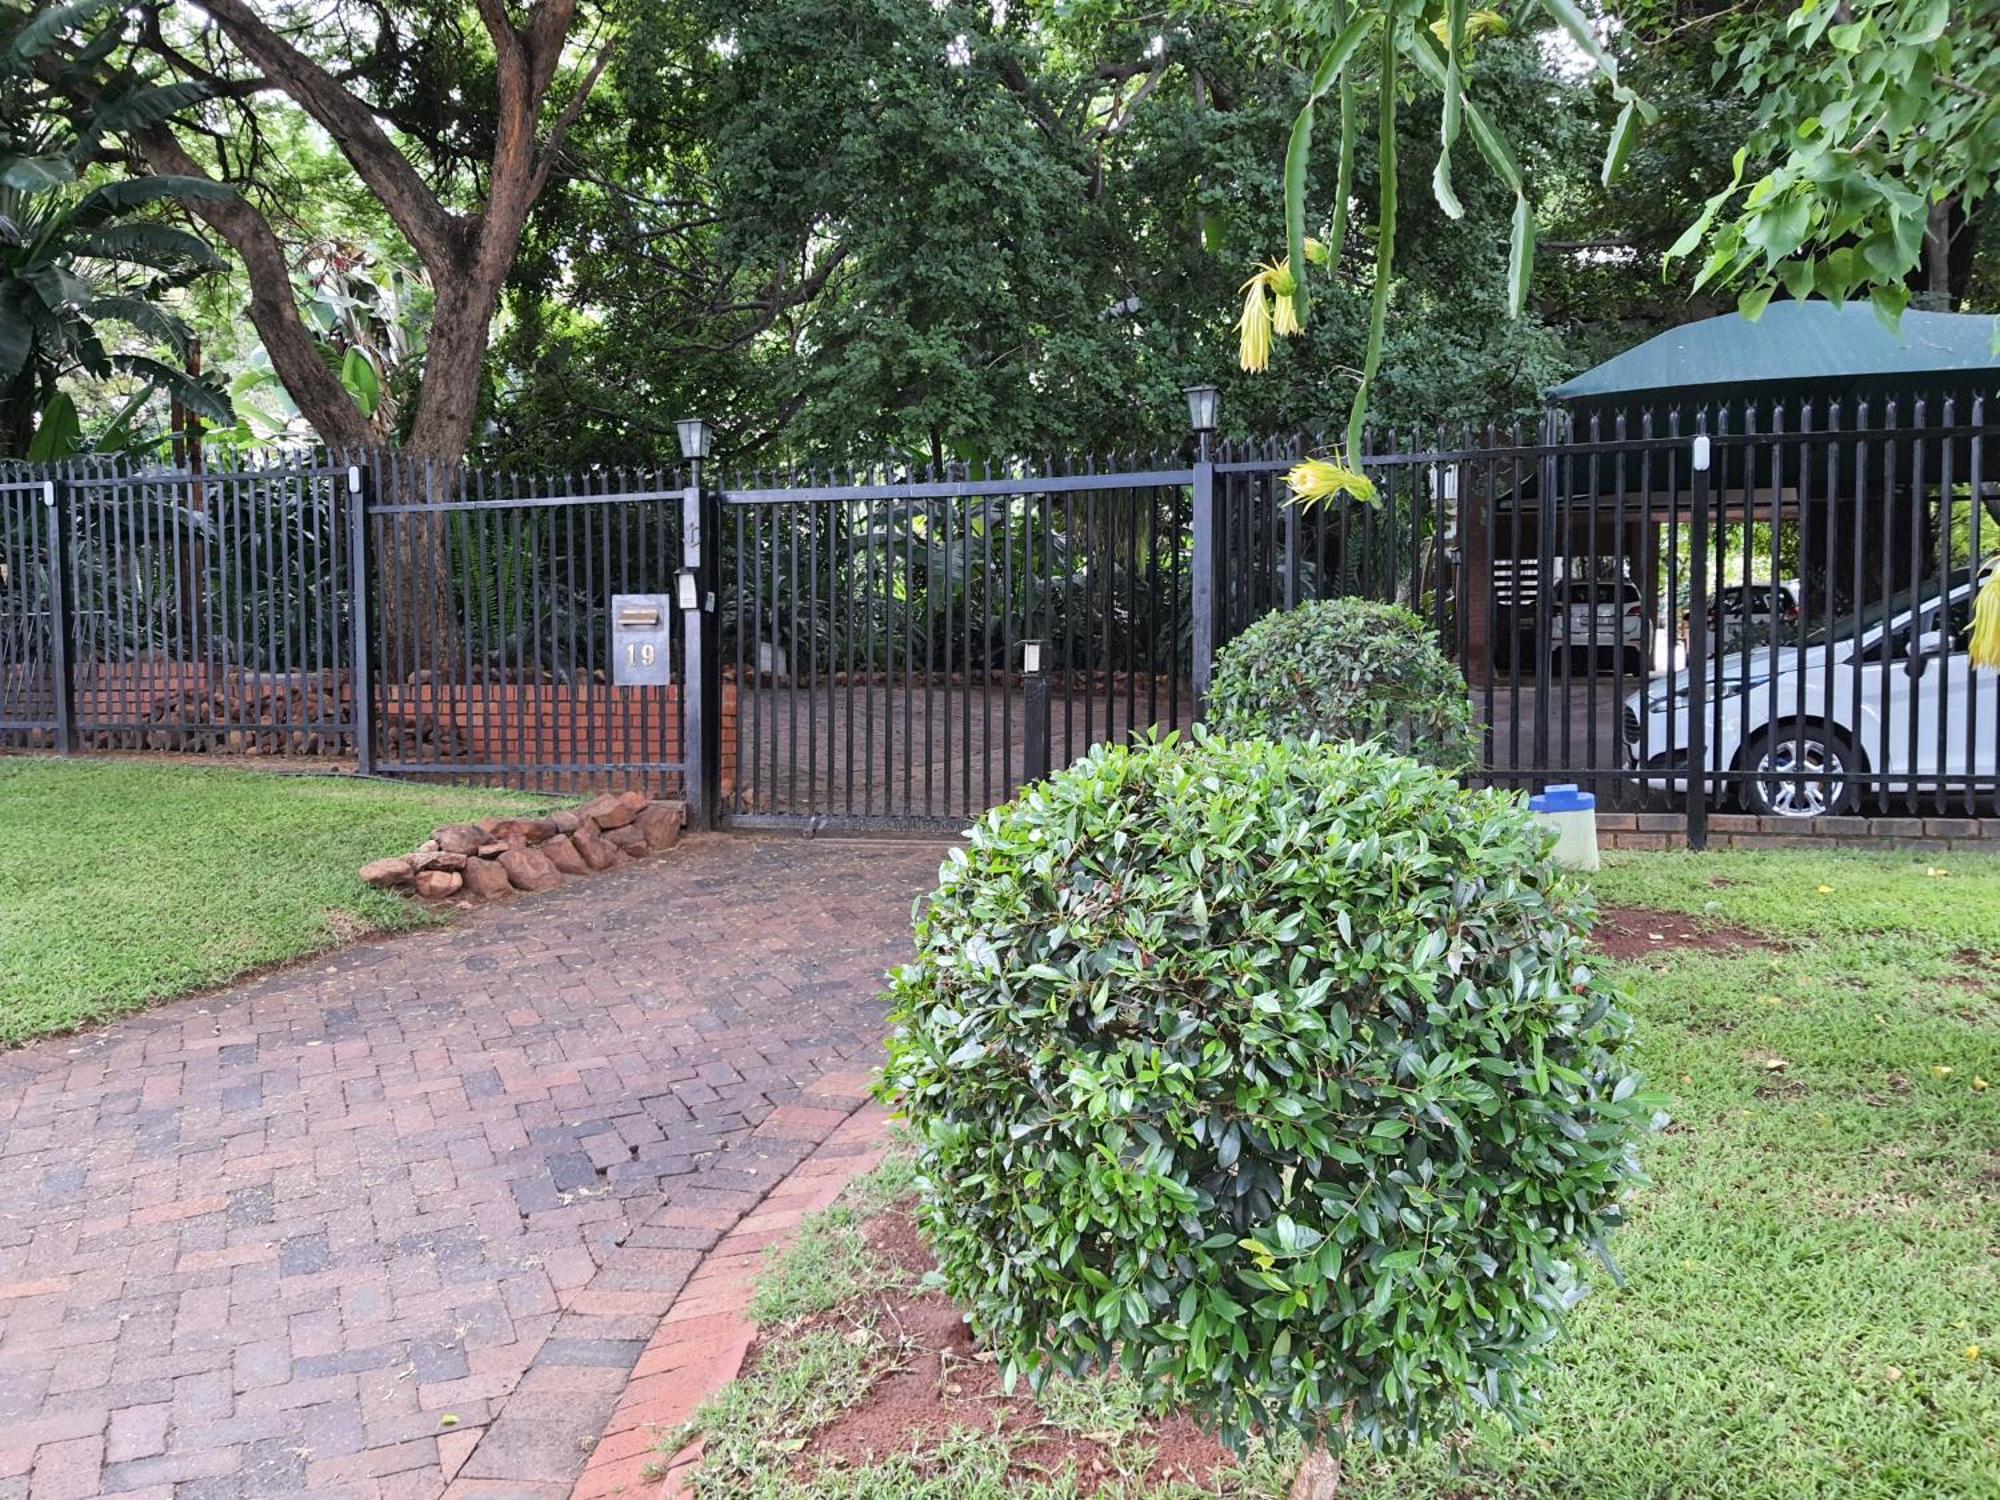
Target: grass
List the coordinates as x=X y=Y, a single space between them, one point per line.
x=1806 y=1278
x=123 y=883
x=1816 y=1258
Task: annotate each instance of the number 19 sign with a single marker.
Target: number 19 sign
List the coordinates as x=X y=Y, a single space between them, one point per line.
x=640 y=626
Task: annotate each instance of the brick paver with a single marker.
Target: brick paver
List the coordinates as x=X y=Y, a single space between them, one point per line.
x=396 y=1222
x=700 y=1343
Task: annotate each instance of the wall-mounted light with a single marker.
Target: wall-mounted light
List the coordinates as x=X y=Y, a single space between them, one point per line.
x=1204 y=407
x=696 y=436
x=686 y=591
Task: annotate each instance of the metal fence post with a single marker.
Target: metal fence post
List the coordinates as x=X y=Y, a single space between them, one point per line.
x=1207 y=563
x=701 y=701
x=1035 y=687
x=1697 y=647
x=361 y=705
x=62 y=622
x=1546 y=541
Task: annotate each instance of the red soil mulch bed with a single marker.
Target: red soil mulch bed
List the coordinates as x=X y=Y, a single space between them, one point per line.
x=942 y=1383
x=1631 y=932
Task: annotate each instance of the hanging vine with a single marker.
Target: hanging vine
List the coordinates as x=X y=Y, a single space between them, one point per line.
x=1432 y=37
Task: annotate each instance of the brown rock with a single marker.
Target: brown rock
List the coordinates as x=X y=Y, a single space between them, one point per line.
x=529 y=870
x=596 y=851
x=519 y=830
x=628 y=838
x=436 y=860
x=384 y=873
x=561 y=853
x=428 y=846
x=613 y=810
x=495 y=849
x=461 y=838
x=565 y=820
x=435 y=885
x=485 y=879
x=661 y=823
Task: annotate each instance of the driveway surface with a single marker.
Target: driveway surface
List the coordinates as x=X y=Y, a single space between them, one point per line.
x=399 y=1221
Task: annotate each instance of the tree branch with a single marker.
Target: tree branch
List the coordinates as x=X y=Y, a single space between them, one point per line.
x=295 y=354
x=432 y=230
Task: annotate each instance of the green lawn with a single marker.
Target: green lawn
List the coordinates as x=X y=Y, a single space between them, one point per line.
x=1809 y=1277
x=122 y=883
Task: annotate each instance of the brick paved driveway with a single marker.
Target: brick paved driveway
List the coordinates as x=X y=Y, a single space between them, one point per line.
x=399 y=1222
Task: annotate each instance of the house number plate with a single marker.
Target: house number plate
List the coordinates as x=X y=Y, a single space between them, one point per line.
x=640 y=625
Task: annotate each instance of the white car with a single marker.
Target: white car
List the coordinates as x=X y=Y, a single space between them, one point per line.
x=1802 y=729
x=1593 y=622
x=1741 y=610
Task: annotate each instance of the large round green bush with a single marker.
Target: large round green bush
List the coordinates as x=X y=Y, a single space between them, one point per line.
x=1346 y=669
x=1277 y=1072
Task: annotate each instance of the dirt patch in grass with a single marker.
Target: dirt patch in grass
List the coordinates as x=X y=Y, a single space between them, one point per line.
x=1633 y=932
x=938 y=1382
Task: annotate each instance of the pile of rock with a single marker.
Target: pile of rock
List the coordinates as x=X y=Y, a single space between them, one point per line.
x=503 y=855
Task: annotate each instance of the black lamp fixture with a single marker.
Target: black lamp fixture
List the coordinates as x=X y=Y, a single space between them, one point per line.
x=1204 y=407
x=696 y=436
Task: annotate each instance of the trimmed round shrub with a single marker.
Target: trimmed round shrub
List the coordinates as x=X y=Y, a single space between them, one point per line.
x=1275 y=1072
x=1346 y=669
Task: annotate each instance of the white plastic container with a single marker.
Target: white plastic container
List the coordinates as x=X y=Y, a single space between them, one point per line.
x=1573 y=816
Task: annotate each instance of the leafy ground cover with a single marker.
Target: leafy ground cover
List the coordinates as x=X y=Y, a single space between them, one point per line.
x=1811 y=1285
x=126 y=882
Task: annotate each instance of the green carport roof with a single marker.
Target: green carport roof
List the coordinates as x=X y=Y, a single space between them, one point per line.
x=1796 y=342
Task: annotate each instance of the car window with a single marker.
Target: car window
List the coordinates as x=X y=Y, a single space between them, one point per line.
x=1960 y=625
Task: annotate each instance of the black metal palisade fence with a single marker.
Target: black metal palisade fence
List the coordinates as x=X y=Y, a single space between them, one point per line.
x=900 y=646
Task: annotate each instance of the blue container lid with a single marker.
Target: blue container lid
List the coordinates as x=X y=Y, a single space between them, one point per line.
x=1562 y=799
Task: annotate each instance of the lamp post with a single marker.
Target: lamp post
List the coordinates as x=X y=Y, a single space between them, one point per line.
x=1204 y=403
x=1204 y=407
x=701 y=692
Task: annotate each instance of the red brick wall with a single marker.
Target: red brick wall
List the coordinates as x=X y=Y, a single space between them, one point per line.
x=545 y=723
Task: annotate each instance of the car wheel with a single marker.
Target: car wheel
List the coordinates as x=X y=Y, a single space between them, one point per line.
x=1788 y=768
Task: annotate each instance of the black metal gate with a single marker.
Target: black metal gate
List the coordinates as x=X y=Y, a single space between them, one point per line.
x=1763 y=607
x=908 y=650
x=483 y=648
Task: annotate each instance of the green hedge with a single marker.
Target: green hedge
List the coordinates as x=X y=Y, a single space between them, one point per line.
x=1346 y=669
x=1276 y=1072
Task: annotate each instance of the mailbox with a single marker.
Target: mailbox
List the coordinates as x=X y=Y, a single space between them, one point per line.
x=640 y=630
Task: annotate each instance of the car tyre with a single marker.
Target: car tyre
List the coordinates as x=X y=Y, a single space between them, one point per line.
x=1783 y=768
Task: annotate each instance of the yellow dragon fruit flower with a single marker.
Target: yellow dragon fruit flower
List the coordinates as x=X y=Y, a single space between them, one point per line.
x=1986 y=622
x=1319 y=481
x=1480 y=25
x=1253 y=350
x=1316 y=252
x=1283 y=286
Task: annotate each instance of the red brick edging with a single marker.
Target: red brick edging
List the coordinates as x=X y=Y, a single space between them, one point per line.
x=700 y=1343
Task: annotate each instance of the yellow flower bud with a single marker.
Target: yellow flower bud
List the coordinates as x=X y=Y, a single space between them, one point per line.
x=1253 y=350
x=1286 y=323
x=1316 y=253
x=1317 y=481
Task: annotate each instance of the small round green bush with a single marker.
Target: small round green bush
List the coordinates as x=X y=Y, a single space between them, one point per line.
x=1346 y=669
x=1274 y=1072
